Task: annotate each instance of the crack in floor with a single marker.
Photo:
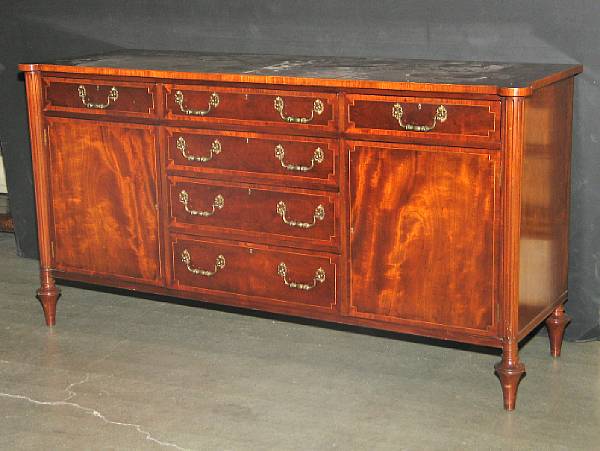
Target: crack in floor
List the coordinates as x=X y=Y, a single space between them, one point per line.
x=90 y=411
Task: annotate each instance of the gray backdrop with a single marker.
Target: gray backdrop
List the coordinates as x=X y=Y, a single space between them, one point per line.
x=534 y=31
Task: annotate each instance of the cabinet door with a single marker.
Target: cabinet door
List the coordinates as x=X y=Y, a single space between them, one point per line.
x=104 y=199
x=422 y=236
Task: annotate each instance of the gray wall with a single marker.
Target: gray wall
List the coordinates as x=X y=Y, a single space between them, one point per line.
x=534 y=31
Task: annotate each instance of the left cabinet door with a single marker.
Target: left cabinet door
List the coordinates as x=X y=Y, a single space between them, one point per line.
x=104 y=199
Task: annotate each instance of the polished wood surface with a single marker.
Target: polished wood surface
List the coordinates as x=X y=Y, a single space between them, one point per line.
x=474 y=77
x=48 y=293
x=556 y=324
x=472 y=122
x=252 y=212
x=133 y=99
x=254 y=107
x=455 y=230
x=253 y=157
x=545 y=203
x=104 y=198
x=422 y=235
x=251 y=270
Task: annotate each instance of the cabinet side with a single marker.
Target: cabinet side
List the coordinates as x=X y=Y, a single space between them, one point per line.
x=545 y=203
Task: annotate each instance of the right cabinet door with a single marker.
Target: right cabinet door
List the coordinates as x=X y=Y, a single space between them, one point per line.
x=422 y=239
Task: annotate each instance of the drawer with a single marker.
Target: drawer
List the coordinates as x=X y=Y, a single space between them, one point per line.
x=443 y=121
x=99 y=97
x=267 y=273
x=283 y=159
x=240 y=211
x=258 y=107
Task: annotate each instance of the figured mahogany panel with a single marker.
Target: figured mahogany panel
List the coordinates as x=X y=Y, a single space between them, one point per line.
x=545 y=189
x=104 y=198
x=292 y=161
x=252 y=106
x=251 y=211
x=254 y=270
x=128 y=99
x=422 y=235
x=450 y=121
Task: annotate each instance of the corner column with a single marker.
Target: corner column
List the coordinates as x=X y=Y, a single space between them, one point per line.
x=510 y=369
x=48 y=293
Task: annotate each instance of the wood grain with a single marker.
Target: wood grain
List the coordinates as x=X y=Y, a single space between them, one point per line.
x=104 y=198
x=252 y=106
x=48 y=293
x=134 y=99
x=251 y=270
x=422 y=240
x=459 y=232
x=476 y=77
x=251 y=157
x=469 y=122
x=250 y=212
x=545 y=203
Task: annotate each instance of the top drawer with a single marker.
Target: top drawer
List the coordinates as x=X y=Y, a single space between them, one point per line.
x=258 y=107
x=100 y=97
x=440 y=121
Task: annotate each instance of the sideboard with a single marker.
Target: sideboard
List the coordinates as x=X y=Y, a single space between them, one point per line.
x=422 y=197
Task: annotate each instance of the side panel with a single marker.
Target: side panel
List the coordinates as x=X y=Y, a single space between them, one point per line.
x=422 y=236
x=104 y=198
x=545 y=202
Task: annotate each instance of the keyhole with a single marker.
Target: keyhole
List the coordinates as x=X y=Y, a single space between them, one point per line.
x=419 y=106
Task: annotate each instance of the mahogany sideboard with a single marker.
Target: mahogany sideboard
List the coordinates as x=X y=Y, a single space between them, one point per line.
x=422 y=197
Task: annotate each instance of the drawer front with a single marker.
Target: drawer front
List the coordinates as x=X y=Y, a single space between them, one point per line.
x=286 y=160
x=272 y=275
x=289 y=109
x=239 y=210
x=443 y=121
x=100 y=97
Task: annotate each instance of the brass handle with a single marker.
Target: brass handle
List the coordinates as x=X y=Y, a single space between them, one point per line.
x=113 y=95
x=318 y=108
x=215 y=149
x=441 y=115
x=318 y=157
x=319 y=277
x=319 y=214
x=218 y=203
x=212 y=102
x=187 y=259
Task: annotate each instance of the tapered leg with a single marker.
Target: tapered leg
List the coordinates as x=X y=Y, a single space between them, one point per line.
x=48 y=295
x=556 y=324
x=510 y=371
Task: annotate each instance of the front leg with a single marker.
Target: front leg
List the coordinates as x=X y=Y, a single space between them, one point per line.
x=556 y=324
x=510 y=371
x=48 y=295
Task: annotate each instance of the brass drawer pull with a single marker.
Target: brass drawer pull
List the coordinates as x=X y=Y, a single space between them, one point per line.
x=318 y=157
x=318 y=108
x=319 y=277
x=187 y=259
x=113 y=95
x=319 y=214
x=213 y=102
x=218 y=203
x=441 y=115
x=215 y=149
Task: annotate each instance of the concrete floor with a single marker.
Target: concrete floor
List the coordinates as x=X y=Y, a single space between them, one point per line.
x=120 y=372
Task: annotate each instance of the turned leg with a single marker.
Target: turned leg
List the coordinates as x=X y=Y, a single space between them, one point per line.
x=510 y=371
x=48 y=295
x=556 y=324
